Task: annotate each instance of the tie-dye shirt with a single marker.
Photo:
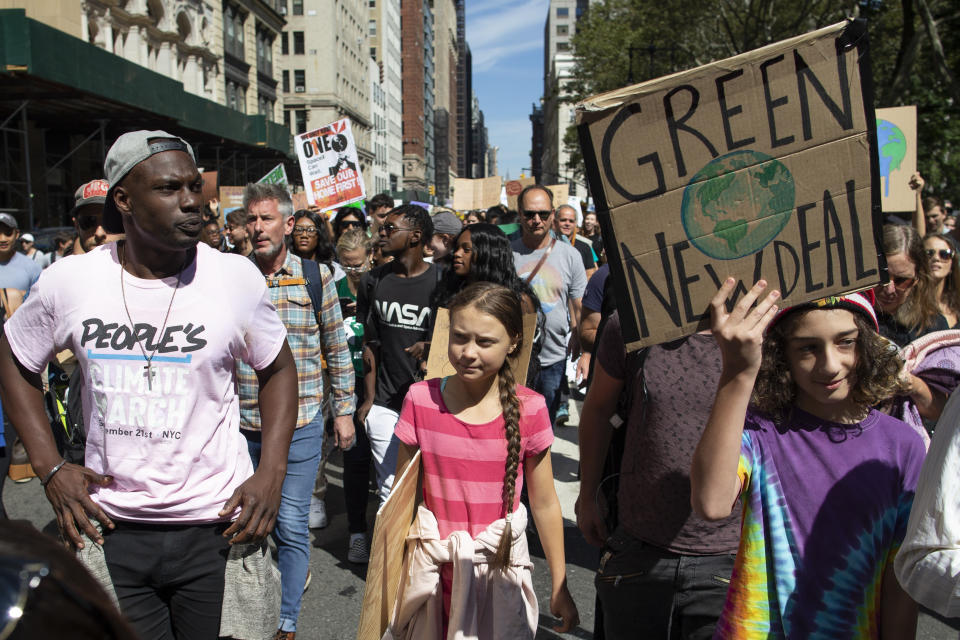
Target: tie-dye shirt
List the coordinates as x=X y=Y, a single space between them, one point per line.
x=825 y=508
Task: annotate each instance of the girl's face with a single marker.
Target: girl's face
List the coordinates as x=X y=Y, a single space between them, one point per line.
x=903 y=277
x=304 y=236
x=471 y=218
x=940 y=255
x=590 y=222
x=355 y=263
x=463 y=255
x=822 y=354
x=479 y=344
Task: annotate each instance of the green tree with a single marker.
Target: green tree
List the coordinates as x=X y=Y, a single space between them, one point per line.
x=914 y=61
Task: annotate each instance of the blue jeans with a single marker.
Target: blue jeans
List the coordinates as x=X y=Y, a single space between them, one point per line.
x=291 y=533
x=648 y=592
x=547 y=384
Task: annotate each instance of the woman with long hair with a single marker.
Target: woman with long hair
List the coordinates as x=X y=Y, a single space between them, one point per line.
x=944 y=266
x=906 y=305
x=348 y=218
x=310 y=240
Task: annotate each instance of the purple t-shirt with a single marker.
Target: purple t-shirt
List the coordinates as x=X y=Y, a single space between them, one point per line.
x=662 y=432
x=825 y=508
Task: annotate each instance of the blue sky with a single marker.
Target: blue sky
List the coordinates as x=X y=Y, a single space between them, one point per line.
x=506 y=42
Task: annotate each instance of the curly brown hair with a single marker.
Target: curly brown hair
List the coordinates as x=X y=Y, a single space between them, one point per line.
x=503 y=304
x=876 y=374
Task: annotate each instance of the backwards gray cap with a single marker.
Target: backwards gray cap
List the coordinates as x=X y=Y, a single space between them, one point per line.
x=128 y=151
x=446 y=221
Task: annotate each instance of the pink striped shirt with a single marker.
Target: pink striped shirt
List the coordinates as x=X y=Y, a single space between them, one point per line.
x=464 y=464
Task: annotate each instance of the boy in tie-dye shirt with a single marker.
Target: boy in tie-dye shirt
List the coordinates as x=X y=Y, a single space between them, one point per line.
x=827 y=482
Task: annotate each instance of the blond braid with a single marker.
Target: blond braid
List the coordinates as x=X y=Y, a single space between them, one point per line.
x=510 y=405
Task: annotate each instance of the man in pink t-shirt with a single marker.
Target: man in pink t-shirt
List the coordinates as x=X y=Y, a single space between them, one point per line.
x=156 y=323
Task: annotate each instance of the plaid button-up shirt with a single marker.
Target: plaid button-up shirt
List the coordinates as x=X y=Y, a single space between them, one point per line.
x=310 y=343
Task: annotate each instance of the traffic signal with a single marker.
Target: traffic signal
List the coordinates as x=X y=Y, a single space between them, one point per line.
x=433 y=190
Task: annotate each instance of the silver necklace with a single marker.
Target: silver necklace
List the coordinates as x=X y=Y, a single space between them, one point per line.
x=148 y=371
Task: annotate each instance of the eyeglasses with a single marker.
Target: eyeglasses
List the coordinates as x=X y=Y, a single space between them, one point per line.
x=351 y=223
x=358 y=269
x=306 y=231
x=390 y=228
x=543 y=215
x=902 y=283
x=88 y=222
x=943 y=254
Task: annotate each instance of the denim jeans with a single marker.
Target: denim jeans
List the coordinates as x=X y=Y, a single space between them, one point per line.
x=291 y=533
x=648 y=592
x=547 y=384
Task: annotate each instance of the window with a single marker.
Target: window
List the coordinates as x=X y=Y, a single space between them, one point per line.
x=301 y=116
x=284 y=43
x=563 y=46
x=265 y=106
x=299 y=45
x=373 y=3
x=562 y=12
x=373 y=27
x=264 y=52
x=236 y=96
x=286 y=118
x=286 y=81
x=233 y=20
x=373 y=52
x=299 y=80
x=298 y=7
x=563 y=29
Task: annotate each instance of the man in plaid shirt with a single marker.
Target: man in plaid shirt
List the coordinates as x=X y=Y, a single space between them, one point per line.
x=312 y=339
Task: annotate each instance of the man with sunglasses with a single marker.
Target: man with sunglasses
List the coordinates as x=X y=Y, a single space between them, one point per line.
x=555 y=271
x=87 y=216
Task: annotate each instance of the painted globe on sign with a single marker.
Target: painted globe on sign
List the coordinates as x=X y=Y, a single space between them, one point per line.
x=736 y=204
x=892 y=147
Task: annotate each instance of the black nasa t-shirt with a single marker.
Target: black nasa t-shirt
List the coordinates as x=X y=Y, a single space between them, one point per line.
x=396 y=313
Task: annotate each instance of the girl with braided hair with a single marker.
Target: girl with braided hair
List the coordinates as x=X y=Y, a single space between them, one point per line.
x=481 y=436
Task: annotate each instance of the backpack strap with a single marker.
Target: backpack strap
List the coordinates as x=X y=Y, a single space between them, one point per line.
x=314 y=277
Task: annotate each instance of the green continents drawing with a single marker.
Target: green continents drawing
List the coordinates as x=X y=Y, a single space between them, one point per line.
x=736 y=204
x=892 y=145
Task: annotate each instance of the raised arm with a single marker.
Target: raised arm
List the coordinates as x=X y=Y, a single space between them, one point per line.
x=714 y=483
x=919 y=218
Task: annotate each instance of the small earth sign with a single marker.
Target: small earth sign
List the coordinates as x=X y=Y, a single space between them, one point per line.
x=736 y=204
x=892 y=145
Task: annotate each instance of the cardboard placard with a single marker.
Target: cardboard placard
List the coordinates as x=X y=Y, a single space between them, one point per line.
x=513 y=189
x=299 y=201
x=329 y=164
x=560 y=193
x=482 y=193
x=760 y=166
x=277 y=175
x=438 y=365
x=385 y=569
x=209 y=186
x=231 y=198
x=897 y=155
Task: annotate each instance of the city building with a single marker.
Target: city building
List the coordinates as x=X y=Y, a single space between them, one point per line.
x=201 y=70
x=478 y=135
x=418 y=95
x=558 y=115
x=445 y=52
x=464 y=97
x=384 y=39
x=492 y=161
x=325 y=76
x=536 y=143
x=377 y=180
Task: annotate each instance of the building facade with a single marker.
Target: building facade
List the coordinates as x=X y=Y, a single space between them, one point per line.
x=384 y=40
x=324 y=69
x=464 y=96
x=378 y=178
x=416 y=21
x=445 y=52
x=479 y=142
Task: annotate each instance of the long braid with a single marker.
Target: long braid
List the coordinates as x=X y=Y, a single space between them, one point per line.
x=510 y=405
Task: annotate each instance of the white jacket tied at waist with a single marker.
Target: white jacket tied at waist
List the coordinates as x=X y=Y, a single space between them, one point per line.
x=485 y=603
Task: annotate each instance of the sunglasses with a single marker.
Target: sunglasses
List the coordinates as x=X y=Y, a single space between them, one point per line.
x=390 y=228
x=358 y=269
x=351 y=223
x=88 y=222
x=943 y=254
x=543 y=215
x=305 y=231
x=902 y=283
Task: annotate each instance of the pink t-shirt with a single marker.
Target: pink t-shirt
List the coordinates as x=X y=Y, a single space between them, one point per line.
x=464 y=464
x=175 y=451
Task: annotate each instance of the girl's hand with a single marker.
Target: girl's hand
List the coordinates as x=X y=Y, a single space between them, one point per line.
x=563 y=607
x=916 y=183
x=740 y=332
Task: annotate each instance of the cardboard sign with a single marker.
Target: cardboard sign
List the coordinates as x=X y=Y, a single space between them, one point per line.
x=476 y=194
x=385 y=570
x=897 y=155
x=560 y=193
x=209 y=186
x=760 y=166
x=231 y=198
x=329 y=164
x=438 y=365
x=513 y=189
x=299 y=201
x=277 y=175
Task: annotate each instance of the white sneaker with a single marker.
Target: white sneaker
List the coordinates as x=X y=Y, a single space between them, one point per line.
x=318 y=513
x=358 y=553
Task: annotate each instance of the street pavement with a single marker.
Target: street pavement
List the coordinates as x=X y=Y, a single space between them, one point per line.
x=331 y=605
